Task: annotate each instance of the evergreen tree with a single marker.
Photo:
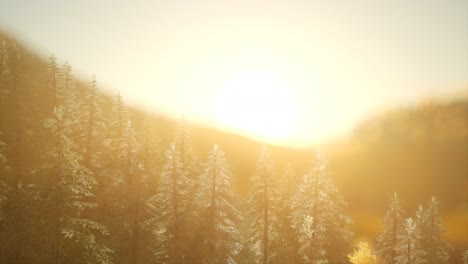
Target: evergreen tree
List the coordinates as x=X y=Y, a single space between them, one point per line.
x=112 y=174
x=322 y=227
x=362 y=255
x=93 y=127
x=191 y=167
x=188 y=159
x=133 y=190
x=408 y=249
x=70 y=190
x=66 y=95
x=4 y=186
x=263 y=201
x=3 y=66
x=66 y=80
x=16 y=93
x=53 y=79
x=169 y=206
x=122 y=177
x=151 y=154
x=432 y=240
x=151 y=160
x=286 y=243
x=393 y=229
x=221 y=237
x=14 y=112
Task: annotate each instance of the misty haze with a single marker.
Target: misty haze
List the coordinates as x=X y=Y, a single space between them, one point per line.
x=239 y=132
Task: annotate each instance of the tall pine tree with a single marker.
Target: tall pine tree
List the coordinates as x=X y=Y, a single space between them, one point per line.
x=121 y=175
x=14 y=112
x=191 y=167
x=393 y=229
x=4 y=186
x=221 y=238
x=169 y=206
x=318 y=217
x=263 y=201
x=16 y=93
x=74 y=238
x=432 y=235
x=53 y=79
x=286 y=243
x=93 y=127
x=409 y=250
x=3 y=66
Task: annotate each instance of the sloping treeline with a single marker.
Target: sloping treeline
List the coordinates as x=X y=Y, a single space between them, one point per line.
x=101 y=191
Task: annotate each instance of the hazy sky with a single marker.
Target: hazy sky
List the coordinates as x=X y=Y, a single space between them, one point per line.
x=333 y=62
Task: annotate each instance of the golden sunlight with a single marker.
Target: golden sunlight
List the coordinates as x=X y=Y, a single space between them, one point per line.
x=259 y=104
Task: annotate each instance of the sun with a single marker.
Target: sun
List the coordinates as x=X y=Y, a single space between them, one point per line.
x=259 y=104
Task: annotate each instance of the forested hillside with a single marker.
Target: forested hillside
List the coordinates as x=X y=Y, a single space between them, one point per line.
x=86 y=179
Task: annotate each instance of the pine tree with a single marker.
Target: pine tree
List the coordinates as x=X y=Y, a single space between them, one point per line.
x=362 y=255
x=94 y=127
x=4 y=187
x=318 y=217
x=69 y=197
x=151 y=154
x=432 y=240
x=4 y=54
x=16 y=92
x=112 y=174
x=393 y=229
x=66 y=94
x=151 y=161
x=65 y=90
x=122 y=174
x=53 y=79
x=66 y=79
x=188 y=159
x=14 y=110
x=286 y=243
x=191 y=167
x=133 y=190
x=408 y=249
x=263 y=201
x=168 y=207
x=221 y=237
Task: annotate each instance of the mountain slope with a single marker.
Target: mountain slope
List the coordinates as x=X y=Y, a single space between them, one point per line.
x=417 y=152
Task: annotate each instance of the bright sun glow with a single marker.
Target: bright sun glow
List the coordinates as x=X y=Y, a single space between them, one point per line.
x=259 y=104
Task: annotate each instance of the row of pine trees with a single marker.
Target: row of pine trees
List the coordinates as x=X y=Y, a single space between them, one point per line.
x=103 y=193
